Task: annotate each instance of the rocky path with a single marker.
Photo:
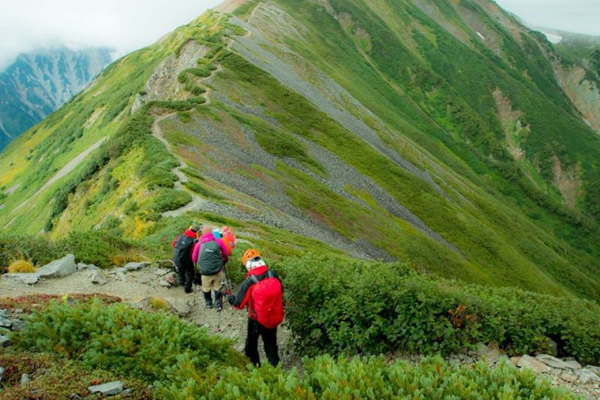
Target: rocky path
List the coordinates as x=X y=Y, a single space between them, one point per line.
x=137 y=287
x=143 y=285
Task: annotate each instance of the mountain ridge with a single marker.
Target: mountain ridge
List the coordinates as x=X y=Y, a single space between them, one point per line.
x=417 y=131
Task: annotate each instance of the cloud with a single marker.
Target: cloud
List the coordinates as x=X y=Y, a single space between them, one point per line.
x=123 y=25
x=579 y=16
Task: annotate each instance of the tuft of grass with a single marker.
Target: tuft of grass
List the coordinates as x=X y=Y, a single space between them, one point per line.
x=21 y=267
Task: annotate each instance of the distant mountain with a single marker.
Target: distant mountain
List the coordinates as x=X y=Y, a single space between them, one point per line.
x=38 y=83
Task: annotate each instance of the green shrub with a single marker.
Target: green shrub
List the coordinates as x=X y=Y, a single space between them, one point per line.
x=121 y=339
x=371 y=378
x=194 y=187
x=168 y=199
x=339 y=307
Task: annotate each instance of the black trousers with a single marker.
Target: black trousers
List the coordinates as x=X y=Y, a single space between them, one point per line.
x=186 y=276
x=269 y=337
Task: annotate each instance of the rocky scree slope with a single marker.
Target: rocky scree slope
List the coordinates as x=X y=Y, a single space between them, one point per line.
x=424 y=131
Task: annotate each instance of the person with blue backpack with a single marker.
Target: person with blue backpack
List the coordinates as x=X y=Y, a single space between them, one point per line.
x=262 y=293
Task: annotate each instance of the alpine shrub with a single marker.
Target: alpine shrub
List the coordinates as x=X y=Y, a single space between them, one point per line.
x=340 y=307
x=370 y=378
x=121 y=339
x=21 y=266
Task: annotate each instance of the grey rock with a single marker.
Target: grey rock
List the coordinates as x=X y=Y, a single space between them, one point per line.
x=121 y=276
x=18 y=311
x=552 y=361
x=75 y=396
x=488 y=354
x=59 y=268
x=4 y=341
x=17 y=325
x=161 y=272
x=164 y=283
x=107 y=389
x=136 y=305
x=98 y=278
x=126 y=393
x=5 y=322
x=593 y=368
x=4 y=313
x=28 y=279
x=535 y=365
x=134 y=266
x=587 y=376
x=572 y=364
x=86 y=267
x=25 y=379
x=568 y=377
x=1 y=373
x=180 y=306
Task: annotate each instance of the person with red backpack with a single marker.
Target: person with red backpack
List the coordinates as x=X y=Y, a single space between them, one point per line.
x=262 y=292
x=183 y=247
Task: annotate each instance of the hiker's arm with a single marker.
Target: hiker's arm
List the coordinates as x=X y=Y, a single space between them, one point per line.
x=195 y=252
x=243 y=295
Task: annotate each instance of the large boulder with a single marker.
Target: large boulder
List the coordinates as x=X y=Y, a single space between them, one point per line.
x=59 y=268
x=27 y=279
x=107 y=389
x=587 y=376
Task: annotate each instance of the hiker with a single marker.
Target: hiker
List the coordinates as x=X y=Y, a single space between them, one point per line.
x=263 y=294
x=183 y=247
x=211 y=254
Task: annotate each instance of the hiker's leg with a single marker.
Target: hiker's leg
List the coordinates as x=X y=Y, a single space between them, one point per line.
x=269 y=337
x=181 y=273
x=251 y=348
x=206 y=289
x=189 y=278
x=218 y=304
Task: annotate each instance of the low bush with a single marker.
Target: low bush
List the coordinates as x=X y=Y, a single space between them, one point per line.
x=371 y=378
x=60 y=380
x=340 y=307
x=121 y=339
x=31 y=302
x=168 y=199
x=20 y=267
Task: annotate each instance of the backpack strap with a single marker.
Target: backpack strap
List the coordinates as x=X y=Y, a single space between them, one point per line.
x=254 y=279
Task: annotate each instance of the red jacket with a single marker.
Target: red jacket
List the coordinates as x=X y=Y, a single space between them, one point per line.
x=244 y=295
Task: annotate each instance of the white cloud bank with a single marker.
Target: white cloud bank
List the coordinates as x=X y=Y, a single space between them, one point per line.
x=123 y=25
x=126 y=25
x=579 y=16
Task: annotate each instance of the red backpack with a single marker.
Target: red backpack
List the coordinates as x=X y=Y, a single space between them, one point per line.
x=267 y=300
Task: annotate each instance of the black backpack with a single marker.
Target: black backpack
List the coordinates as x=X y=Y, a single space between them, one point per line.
x=182 y=256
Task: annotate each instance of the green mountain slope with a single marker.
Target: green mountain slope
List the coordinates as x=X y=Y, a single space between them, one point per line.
x=431 y=132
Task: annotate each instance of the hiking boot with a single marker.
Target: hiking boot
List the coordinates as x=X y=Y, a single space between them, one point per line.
x=188 y=290
x=208 y=300
x=218 y=302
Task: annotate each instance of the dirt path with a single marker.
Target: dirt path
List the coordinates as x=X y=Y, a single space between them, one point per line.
x=136 y=286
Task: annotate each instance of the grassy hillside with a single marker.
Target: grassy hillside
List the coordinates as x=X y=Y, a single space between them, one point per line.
x=429 y=132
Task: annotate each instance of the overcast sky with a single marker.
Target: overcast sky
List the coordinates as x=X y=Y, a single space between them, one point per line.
x=126 y=25
x=581 y=16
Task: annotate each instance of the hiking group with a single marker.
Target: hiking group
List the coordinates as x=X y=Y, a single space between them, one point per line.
x=200 y=255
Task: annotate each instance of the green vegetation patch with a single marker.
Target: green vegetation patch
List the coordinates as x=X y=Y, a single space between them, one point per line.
x=372 y=378
x=123 y=340
x=341 y=307
x=60 y=378
x=94 y=247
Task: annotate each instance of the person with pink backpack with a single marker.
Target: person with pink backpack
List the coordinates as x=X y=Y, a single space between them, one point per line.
x=262 y=292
